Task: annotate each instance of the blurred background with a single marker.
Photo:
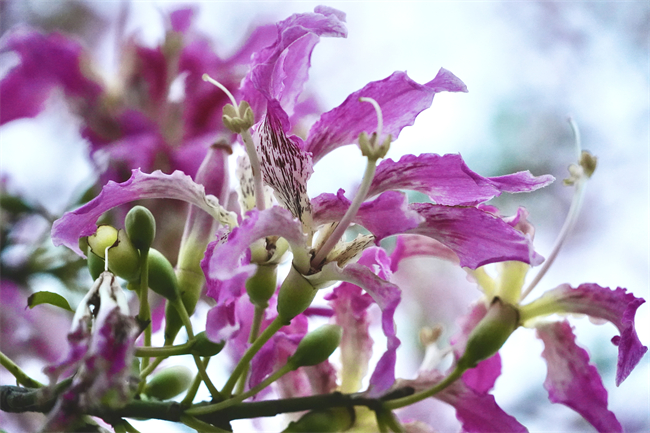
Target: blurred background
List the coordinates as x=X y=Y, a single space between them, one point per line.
x=527 y=65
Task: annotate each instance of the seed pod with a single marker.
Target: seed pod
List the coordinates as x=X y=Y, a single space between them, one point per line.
x=316 y=346
x=169 y=383
x=140 y=225
x=204 y=347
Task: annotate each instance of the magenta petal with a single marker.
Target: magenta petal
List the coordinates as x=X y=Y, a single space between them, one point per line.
x=477 y=237
x=221 y=323
x=571 y=380
x=73 y=225
x=350 y=304
x=400 y=98
x=280 y=70
x=181 y=19
x=387 y=215
x=477 y=412
x=447 y=180
x=386 y=295
x=616 y=306
x=46 y=62
x=225 y=263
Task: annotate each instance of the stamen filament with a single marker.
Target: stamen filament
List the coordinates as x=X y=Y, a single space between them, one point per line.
x=571 y=219
x=209 y=79
x=340 y=229
x=380 y=116
x=256 y=167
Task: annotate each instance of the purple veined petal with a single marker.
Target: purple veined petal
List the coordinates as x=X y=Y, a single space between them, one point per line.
x=82 y=222
x=447 y=180
x=227 y=286
x=221 y=323
x=46 y=62
x=416 y=245
x=400 y=98
x=368 y=273
x=350 y=304
x=384 y=216
x=225 y=261
x=481 y=378
x=280 y=70
x=477 y=237
x=285 y=166
x=477 y=412
x=616 y=306
x=572 y=380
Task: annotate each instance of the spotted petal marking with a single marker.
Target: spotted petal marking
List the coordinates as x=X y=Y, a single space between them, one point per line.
x=285 y=166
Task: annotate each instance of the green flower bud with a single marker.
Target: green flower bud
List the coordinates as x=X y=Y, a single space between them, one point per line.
x=261 y=286
x=205 y=347
x=169 y=382
x=490 y=334
x=123 y=257
x=316 y=346
x=95 y=265
x=336 y=419
x=140 y=225
x=162 y=278
x=296 y=294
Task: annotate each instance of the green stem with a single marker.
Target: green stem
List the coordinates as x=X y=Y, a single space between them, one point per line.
x=124 y=427
x=194 y=387
x=419 y=396
x=145 y=313
x=214 y=392
x=273 y=327
x=255 y=331
x=151 y=367
x=201 y=426
x=165 y=351
x=21 y=377
x=185 y=318
x=204 y=410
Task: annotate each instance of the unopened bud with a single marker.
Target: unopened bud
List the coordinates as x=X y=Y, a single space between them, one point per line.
x=169 y=383
x=261 y=286
x=335 y=419
x=295 y=296
x=140 y=225
x=204 y=347
x=316 y=346
x=123 y=257
x=162 y=278
x=490 y=333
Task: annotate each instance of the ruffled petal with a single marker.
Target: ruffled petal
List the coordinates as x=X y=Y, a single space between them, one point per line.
x=370 y=273
x=616 y=306
x=447 y=180
x=572 y=380
x=350 y=304
x=477 y=237
x=384 y=216
x=400 y=98
x=280 y=70
x=285 y=166
x=221 y=323
x=46 y=62
x=225 y=262
x=82 y=222
x=478 y=412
